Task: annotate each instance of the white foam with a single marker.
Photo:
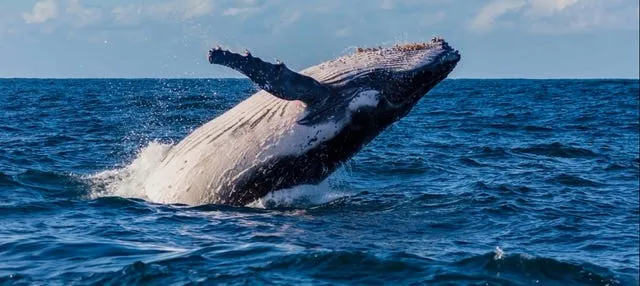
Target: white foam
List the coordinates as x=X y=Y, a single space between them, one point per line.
x=129 y=181
x=499 y=253
x=299 y=196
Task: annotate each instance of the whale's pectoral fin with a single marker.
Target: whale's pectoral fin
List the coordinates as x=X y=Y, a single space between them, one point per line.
x=276 y=79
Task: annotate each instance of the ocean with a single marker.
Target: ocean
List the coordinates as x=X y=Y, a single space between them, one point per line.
x=485 y=182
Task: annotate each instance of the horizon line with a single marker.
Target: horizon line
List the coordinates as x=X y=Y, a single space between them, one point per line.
x=245 y=78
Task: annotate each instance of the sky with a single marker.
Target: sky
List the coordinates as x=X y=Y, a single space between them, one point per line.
x=170 y=38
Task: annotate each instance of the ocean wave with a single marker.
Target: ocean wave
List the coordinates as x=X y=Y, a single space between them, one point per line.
x=423 y=203
x=346 y=267
x=471 y=162
x=46 y=184
x=34 y=207
x=574 y=181
x=535 y=128
x=502 y=188
x=51 y=182
x=7 y=181
x=525 y=269
x=557 y=149
x=489 y=152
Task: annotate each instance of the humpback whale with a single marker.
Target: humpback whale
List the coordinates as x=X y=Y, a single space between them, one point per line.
x=301 y=126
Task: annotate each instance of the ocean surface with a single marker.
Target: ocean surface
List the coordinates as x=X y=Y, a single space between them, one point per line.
x=498 y=182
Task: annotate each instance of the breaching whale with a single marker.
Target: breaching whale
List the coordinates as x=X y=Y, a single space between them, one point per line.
x=301 y=126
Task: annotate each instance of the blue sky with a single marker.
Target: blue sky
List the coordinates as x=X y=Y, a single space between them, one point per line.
x=169 y=38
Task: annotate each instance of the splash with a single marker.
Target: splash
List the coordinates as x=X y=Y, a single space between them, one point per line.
x=129 y=181
x=499 y=253
x=299 y=196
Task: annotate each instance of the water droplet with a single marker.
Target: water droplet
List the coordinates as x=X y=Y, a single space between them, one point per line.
x=499 y=253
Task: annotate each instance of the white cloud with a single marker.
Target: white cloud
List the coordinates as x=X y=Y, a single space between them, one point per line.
x=433 y=19
x=344 y=32
x=245 y=8
x=83 y=16
x=548 y=7
x=558 y=16
x=287 y=18
x=174 y=9
x=387 y=5
x=488 y=15
x=197 y=8
x=585 y=16
x=233 y=11
x=249 y=2
x=42 y=11
x=290 y=17
x=127 y=14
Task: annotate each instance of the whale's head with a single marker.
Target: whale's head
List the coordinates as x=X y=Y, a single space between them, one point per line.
x=400 y=74
x=378 y=86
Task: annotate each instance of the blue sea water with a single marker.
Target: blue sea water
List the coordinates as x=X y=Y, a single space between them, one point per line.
x=512 y=182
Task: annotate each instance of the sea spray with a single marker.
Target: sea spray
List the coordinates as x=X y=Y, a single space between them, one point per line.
x=129 y=181
x=299 y=196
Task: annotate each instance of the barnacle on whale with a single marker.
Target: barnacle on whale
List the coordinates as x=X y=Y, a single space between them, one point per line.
x=436 y=41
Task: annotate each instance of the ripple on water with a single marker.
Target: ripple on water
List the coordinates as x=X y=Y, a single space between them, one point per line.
x=546 y=167
x=575 y=181
x=557 y=149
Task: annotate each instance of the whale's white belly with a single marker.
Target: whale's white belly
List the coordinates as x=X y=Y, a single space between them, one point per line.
x=217 y=153
x=222 y=148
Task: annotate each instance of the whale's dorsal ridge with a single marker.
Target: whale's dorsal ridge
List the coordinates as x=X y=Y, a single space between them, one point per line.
x=276 y=79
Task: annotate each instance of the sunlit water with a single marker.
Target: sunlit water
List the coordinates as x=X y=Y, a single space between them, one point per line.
x=485 y=181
